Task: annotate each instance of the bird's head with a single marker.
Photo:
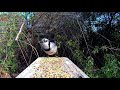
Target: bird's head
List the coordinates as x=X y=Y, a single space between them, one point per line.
x=44 y=40
x=44 y=43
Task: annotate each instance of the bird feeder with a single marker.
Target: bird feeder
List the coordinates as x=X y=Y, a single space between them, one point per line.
x=52 y=67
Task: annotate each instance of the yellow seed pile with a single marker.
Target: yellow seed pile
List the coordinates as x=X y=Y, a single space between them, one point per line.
x=51 y=68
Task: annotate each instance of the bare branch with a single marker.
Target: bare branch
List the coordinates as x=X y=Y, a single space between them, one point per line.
x=83 y=35
x=19 y=31
x=31 y=46
x=22 y=53
x=106 y=39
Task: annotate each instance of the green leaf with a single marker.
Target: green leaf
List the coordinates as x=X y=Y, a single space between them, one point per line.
x=95 y=50
x=104 y=48
x=10 y=42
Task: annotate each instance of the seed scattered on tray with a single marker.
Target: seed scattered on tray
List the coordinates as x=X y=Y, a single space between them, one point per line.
x=51 y=68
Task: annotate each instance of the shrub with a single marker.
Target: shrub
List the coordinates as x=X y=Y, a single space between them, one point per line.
x=89 y=67
x=111 y=68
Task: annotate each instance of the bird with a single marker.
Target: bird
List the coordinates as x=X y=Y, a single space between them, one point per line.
x=49 y=47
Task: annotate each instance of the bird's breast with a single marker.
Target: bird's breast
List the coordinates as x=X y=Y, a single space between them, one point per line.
x=52 y=51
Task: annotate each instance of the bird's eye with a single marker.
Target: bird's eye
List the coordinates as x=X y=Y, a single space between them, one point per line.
x=45 y=40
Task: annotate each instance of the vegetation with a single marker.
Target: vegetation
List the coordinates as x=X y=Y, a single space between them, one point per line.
x=9 y=26
x=90 y=39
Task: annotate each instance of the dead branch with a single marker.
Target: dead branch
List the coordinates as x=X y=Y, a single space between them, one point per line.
x=19 y=31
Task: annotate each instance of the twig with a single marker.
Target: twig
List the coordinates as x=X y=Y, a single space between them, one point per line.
x=101 y=36
x=19 y=31
x=106 y=39
x=83 y=36
x=116 y=49
x=38 y=19
x=22 y=53
x=30 y=43
x=30 y=56
x=31 y=46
